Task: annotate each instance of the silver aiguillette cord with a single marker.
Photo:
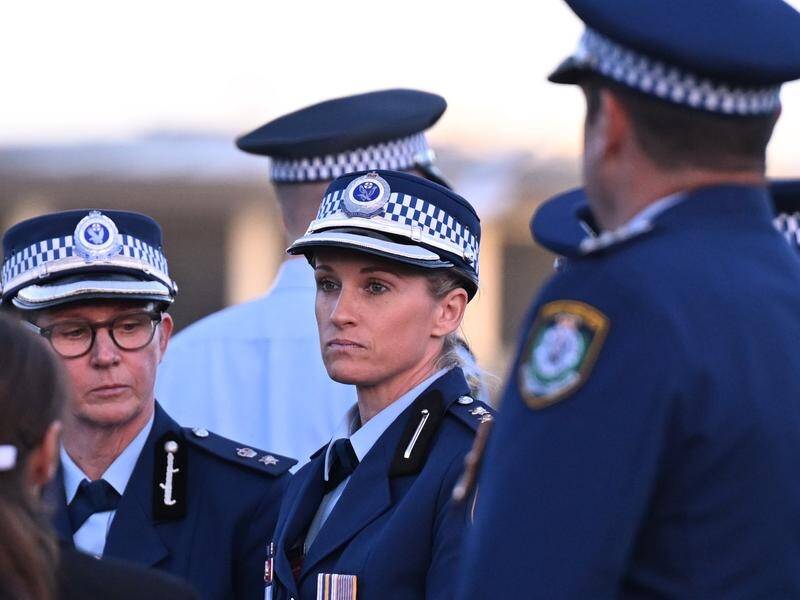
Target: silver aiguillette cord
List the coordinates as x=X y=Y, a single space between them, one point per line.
x=425 y=414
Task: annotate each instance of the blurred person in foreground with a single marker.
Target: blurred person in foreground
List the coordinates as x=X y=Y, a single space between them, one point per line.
x=649 y=434
x=395 y=258
x=134 y=484
x=253 y=371
x=32 y=566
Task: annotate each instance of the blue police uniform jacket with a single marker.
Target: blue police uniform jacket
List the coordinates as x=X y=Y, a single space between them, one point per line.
x=649 y=436
x=216 y=535
x=394 y=528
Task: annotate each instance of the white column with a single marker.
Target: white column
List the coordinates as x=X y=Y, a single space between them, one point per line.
x=482 y=323
x=254 y=241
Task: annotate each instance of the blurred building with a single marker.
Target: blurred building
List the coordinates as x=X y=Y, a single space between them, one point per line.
x=222 y=229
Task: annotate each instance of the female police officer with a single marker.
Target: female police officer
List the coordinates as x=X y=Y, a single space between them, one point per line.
x=396 y=261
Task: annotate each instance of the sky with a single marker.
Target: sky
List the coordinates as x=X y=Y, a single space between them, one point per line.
x=91 y=70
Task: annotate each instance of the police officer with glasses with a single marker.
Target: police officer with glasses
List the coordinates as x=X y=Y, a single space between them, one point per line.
x=133 y=484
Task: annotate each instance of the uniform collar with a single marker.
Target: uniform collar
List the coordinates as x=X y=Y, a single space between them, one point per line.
x=722 y=203
x=118 y=472
x=652 y=210
x=363 y=438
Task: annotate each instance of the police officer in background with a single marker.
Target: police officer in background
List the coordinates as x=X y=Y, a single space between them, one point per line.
x=133 y=484
x=565 y=222
x=253 y=371
x=649 y=434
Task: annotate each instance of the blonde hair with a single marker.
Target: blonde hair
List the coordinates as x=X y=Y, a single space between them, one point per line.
x=455 y=350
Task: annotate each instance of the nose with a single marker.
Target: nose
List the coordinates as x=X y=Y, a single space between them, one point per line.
x=104 y=352
x=344 y=308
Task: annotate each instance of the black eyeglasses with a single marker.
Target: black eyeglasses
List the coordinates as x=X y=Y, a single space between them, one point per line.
x=75 y=337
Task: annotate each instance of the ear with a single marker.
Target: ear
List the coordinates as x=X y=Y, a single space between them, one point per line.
x=617 y=124
x=166 y=326
x=450 y=312
x=43 y=460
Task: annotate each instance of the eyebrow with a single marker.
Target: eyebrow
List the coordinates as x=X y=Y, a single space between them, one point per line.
x=77 y=317
x=365 y=270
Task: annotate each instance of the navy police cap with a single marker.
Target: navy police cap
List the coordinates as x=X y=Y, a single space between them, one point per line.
x=376 y=130
x=721 y=56
x=84 y=254
x=401 y=217
x=563 y=222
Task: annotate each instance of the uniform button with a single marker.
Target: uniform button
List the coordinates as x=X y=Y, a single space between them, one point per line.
x=200 y=432
x=465 y=400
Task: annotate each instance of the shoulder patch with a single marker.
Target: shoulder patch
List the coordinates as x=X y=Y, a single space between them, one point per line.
x=472 y=413
x=560 y=351
x=240 y=454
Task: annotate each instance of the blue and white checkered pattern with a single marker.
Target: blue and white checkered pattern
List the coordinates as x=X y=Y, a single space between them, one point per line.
x=401 y=154
x=54 y=251
x=789 y=226
x=655 y=78
x=421 y=218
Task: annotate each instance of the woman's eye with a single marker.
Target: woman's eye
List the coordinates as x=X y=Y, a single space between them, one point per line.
x=326 y=285
x=376 y=288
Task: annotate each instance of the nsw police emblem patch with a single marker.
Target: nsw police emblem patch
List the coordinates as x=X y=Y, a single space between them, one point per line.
x=560 y=351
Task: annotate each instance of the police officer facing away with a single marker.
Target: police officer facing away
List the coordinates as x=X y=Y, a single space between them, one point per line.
x=133 y=484
x=650 y=430
x=253 y=371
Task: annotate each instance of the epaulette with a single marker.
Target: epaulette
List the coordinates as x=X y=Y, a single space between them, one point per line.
x=240 y=454
x=471 y=412
x=607 y=239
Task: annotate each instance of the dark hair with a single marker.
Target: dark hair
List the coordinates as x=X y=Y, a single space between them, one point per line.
x=31 y=396
x=676 y=137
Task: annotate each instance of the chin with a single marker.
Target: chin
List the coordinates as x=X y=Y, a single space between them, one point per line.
x=109 y=414
x=344 y=372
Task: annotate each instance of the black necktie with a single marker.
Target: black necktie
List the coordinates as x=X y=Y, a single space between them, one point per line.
x=343 y=462
x=91 y=497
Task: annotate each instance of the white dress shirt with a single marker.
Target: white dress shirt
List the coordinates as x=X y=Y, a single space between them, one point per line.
x=254 y=372
x=362 y=438
x=91 y=537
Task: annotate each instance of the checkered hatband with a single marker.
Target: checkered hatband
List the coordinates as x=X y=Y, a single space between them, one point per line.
x=407 y=216
x=59 y=255
x=398 y=155
x=789 y=226
x=597 y=53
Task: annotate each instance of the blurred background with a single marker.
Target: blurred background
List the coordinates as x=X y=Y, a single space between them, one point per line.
x=136 y=106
